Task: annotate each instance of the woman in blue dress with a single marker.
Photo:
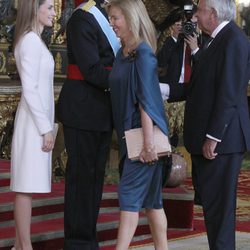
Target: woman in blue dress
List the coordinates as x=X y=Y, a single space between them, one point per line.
x=137 y=102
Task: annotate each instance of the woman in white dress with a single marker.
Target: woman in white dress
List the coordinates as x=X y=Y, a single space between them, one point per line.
x=33 y=137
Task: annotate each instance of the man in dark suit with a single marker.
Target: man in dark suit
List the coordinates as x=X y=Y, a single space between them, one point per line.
x=84 y=108
x=175 y=61
x=170 y=58
x=216 y=120
x=175 y=57
x=169 y=47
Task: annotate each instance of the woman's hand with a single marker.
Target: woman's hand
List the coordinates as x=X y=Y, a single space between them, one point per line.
x=48 y=142
x=148 y=155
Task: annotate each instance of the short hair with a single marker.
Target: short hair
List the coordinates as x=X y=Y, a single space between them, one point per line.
x=225 y=9
x=138 y=20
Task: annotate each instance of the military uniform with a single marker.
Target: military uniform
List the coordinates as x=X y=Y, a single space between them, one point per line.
x=84 y=108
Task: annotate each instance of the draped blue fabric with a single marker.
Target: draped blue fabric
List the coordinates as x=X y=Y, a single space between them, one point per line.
x=134 y=81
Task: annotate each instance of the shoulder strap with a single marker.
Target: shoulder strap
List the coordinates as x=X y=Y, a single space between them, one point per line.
x=103 y=22
x=87 y=5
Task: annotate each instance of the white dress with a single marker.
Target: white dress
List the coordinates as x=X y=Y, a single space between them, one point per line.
x=30 y=166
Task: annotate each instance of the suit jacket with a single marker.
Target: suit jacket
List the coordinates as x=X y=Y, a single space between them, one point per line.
x=216 y=98
x=164 y=54
x=170 y=59
x=85 y=104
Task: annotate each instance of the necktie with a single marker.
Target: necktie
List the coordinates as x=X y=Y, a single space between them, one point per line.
x=208 y=42
x=187 y=64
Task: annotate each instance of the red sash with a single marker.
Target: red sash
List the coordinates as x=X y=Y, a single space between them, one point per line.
x=74 y=73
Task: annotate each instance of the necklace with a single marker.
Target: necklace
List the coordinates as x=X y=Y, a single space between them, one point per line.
x=129 y=48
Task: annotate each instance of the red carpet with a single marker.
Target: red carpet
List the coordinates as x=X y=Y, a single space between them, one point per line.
x=177 y=212
x=243 y=206
x=243 y=212
x=178 y=204
x=52 y=204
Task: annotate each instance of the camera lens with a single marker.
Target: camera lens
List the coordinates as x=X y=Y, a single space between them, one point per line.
x=188 y=28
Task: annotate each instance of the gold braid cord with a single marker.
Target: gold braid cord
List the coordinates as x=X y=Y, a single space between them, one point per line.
x=88 y=5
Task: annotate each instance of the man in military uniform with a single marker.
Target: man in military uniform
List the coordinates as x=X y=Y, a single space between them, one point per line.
x=84 y=108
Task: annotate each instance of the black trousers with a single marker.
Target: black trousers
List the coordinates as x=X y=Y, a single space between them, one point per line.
x=87 y=154
x=217 y=184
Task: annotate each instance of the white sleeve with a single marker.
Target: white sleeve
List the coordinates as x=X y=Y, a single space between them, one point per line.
x=164 y=91
x=30 y=59
x=213 y=138
x=195 y=51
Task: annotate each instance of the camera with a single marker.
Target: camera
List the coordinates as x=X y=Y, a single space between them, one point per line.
x=189 y=27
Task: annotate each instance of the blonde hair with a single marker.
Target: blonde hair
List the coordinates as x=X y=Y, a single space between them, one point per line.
x=26 y=18
x=138 y=20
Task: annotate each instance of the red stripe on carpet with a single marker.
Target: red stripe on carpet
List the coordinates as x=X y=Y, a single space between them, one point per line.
x=4 y=165
x=57 y=190
x=243 y=215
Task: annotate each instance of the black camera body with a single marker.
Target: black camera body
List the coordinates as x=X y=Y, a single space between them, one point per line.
x=188 y=27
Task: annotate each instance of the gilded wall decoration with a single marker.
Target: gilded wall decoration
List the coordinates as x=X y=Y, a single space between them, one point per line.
x=58 y=9
x=9 y=98
x=58 y=63
x=2 y=63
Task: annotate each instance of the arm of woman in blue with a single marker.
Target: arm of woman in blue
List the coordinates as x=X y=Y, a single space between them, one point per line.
x=148 y=95
x=148 y=153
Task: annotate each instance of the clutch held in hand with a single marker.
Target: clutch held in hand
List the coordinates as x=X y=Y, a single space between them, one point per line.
x=134 y=142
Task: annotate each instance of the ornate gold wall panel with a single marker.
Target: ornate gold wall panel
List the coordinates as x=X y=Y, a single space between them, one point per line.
x=9 y=97
x=10 y=93
x=56 y=26
x=3 y=60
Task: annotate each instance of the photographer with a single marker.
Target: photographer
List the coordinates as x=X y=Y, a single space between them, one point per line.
x=175 y=58
x=179 y=63
x=164 y=56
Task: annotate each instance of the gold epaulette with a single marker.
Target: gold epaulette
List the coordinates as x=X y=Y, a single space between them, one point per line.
x=88 y=5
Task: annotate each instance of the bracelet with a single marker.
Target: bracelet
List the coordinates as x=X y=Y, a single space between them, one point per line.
x=149 y=149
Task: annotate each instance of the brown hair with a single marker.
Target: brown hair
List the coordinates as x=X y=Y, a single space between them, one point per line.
x=26 y=18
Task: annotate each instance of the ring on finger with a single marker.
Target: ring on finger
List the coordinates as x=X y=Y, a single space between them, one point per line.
x=152 y=163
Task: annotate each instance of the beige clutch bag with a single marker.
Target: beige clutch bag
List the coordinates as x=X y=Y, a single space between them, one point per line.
x=134 y=142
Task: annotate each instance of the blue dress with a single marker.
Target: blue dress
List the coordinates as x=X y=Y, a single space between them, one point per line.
x=134 y=81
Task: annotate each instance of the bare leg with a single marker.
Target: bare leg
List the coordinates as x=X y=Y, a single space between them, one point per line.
x=127 y=227
x=17 y=244
x=158 y=226
x=22 y=214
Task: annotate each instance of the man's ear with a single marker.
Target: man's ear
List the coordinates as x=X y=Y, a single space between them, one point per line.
x=214 y=14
